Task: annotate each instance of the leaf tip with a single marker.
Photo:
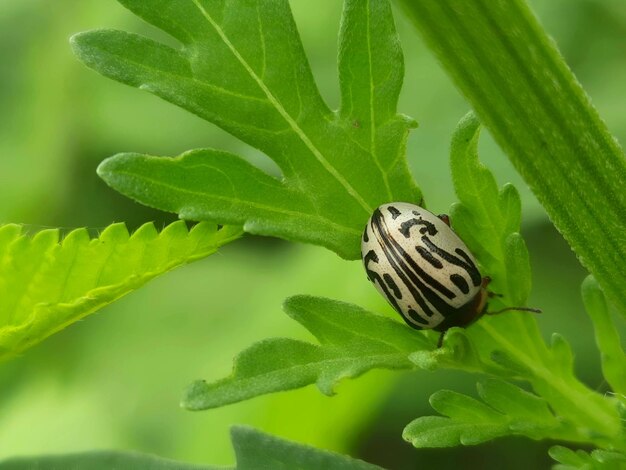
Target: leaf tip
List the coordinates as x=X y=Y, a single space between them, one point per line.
x=193 y=396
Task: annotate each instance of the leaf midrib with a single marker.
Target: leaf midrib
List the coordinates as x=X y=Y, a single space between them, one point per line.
x=317 y=217
x=283 y=112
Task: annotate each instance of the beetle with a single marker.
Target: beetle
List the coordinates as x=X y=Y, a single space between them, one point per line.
x=423 y=269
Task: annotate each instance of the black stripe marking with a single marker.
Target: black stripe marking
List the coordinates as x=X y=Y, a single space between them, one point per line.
x=416 y=316
x=374 y=276
x=428 y=227
x=392 y=285
x=394 y=212
x=366 y=237
x=466 y=264
x=473 y=270
x=428 y=256
x=460 y=282
x=394 y=261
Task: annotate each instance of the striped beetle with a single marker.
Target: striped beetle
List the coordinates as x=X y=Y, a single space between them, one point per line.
x=424 y=269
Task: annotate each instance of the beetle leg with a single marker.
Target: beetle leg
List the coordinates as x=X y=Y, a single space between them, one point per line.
x=515 y=309
x=440 y=341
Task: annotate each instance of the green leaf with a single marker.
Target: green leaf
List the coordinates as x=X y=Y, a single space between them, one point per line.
x=457 y=352
x=47 y=284
x=607 y=337
x=596 y=460
x=569 y=458
x=507 y=410
x=514 y=77
x=100 y=460
x=241 y=66
x=256 y=450
x=486 y=218
x=352 y=341
x=437 y=431
x=508 y=345
x=525 y=410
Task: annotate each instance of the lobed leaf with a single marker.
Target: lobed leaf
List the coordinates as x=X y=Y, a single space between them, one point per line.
x=507 y=410
x=607 y=337
x=517 y=81
x=596 y=460
x=510 y=345
x=437 y=431
x=241 y=66
x=47 y=284
x=352 y=341
x=488 y=220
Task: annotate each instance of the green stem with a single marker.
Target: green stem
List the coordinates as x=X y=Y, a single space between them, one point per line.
x=596 y=415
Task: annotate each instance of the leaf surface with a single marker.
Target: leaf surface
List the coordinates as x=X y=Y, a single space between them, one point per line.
x=351 y=342
x=241 y=66
x=47 y=284
x=512 y=74
x=254 y=450
x=607 y=338
x=257 y=450
x=100 y=460
x=507 y=410
x=510 y=344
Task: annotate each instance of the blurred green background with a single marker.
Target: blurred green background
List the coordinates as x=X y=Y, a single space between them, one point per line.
x=114 y=380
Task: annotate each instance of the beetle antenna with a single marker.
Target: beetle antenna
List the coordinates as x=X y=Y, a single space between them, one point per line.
x=519 y=309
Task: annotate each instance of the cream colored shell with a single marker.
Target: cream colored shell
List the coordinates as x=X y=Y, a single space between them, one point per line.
x=418 y=263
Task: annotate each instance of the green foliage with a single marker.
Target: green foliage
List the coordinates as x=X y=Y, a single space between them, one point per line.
x=99 y=460
x=510 y=345
x=520 y=86
x=254 y=450
x=352 y=341
x=47 y=284
x=241 y=66
x=607 y=338
x=506 y=410
x=596 y=460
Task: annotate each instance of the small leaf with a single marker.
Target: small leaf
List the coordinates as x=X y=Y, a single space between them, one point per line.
x=510 y=206
x=597 y=460
x=457 y=352
x=526 y=411
x=462 y=408
x=256 y=450
x=511 y=343
x=100 y=460
x=510 y=363
x=45 y=285
x=436 y=431
x=517 y=261
x=562 y=356
x=607 y=337
x=569 y=457
x=508 y=411
x=241 y=66
x=352 y=341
